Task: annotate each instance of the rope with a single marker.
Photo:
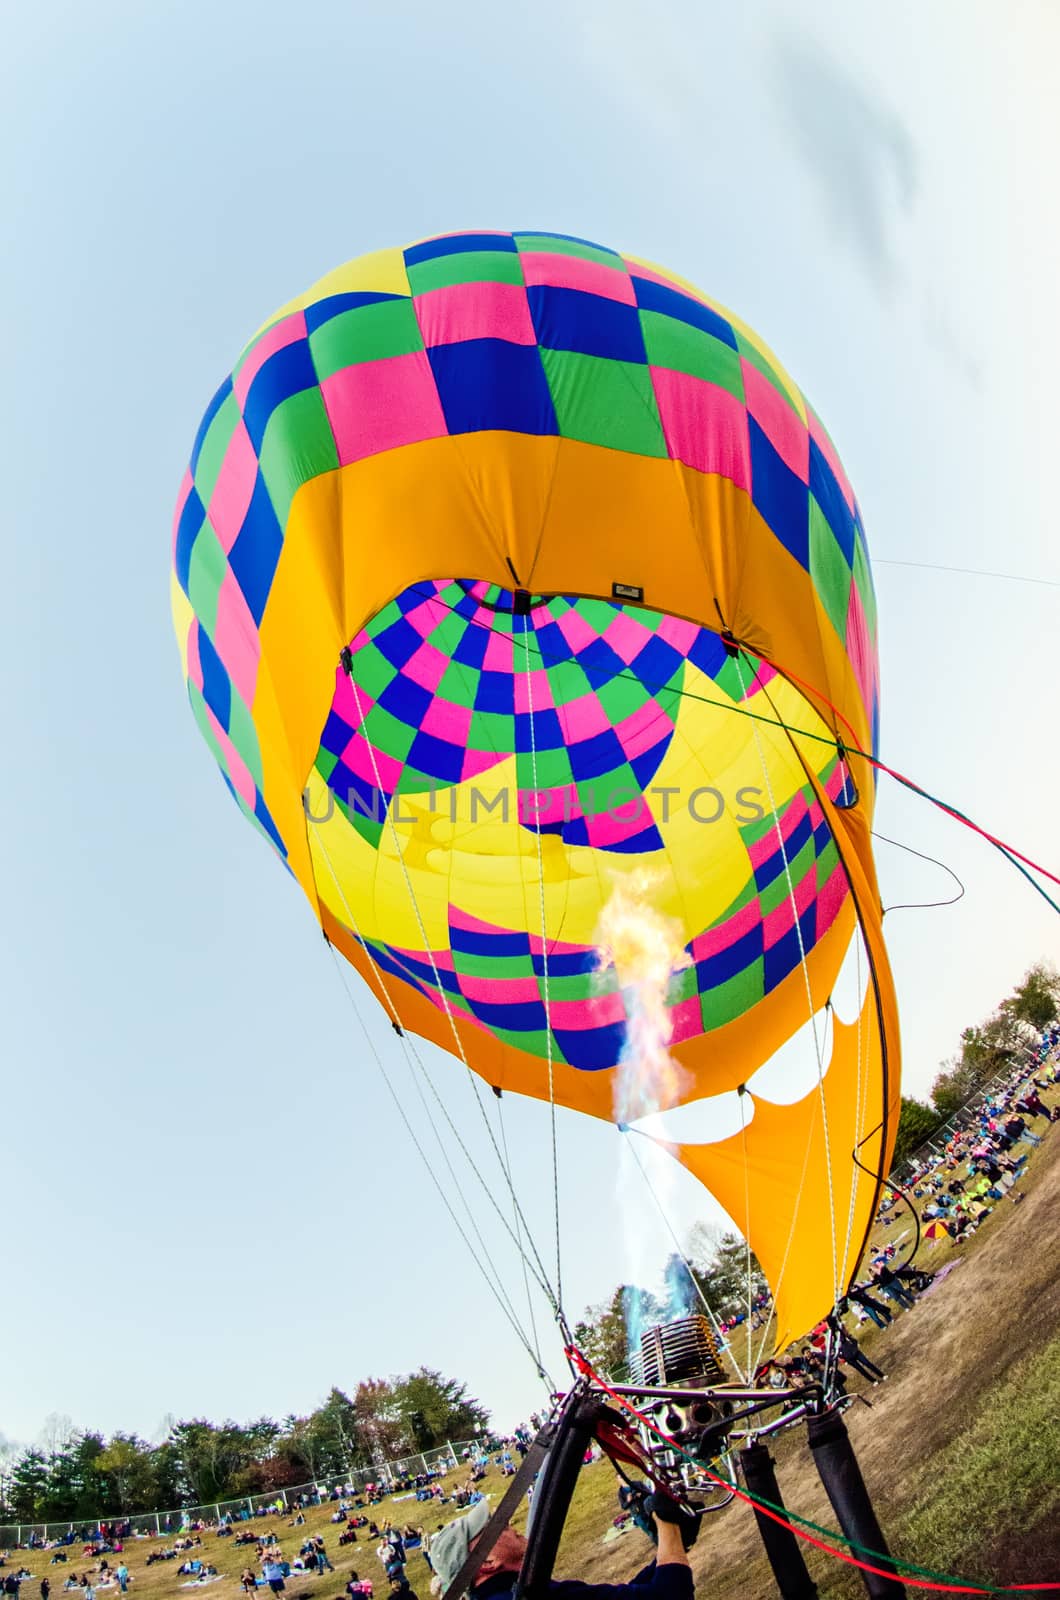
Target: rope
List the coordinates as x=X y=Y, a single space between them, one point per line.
x=968 y=572
x=861 y=1100
x=921 y=905
x=494 y=1284
x=851 y=747
x=413 y=1057
x=704 y=1302
x=522 y=1255
x=544 y=961
x=781 y=841
x=797 y=1524
x=741 y=1095
x=458 y=1041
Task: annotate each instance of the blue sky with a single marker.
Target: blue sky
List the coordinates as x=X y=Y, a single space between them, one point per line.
x=211 y=1206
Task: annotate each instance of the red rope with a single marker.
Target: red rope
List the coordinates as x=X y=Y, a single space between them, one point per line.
x=900 y=777
x=585 y=1366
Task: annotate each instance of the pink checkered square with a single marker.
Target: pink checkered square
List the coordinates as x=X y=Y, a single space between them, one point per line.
x=786 y=432
x=583 y=718
x=447 y=721
x=535 y=693
x=283 y=333
x=572 y=272
x=234 y=488
x=626 y=636
x=475 y=311
x=427 y=667
x=236 y=638
x=705 y=426
x=379 y=405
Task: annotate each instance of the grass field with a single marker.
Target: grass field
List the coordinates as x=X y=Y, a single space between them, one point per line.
x=960 y=1448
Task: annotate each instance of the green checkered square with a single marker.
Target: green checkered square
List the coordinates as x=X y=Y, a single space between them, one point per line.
x=206 y=573
x=489 y=730
x=737 y=994
x=325 y=763
x=620 y=697
x=372 y=671
x=752 y=354
x=386 y=733
x=826 y=863
x=534 y=1042
x=465 y=266
x=298 y=445
x=445 y=636
x=542 y=244
x=367 y=333
x=567 y=682
x=829 y=570
x=472 y=964
x=679 y=347
x=215 y=446
x=244 y=736
x=610 y=403
x=550 y=769
x=863 y=579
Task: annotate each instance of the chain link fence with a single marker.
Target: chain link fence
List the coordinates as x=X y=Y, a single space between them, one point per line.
x=154 y=1524
x=934 y=1148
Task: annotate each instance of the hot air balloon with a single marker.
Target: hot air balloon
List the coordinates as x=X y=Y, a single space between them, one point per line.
x=512 y=574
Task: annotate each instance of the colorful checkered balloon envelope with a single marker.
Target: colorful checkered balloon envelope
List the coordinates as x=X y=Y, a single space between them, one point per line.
x=508 y=570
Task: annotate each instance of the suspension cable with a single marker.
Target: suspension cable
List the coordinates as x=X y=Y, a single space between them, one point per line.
x=544 y=961
x=415 y=1060
x=707 y=1307
x=782 y=843
x=458 y=1041
x=495 y=1287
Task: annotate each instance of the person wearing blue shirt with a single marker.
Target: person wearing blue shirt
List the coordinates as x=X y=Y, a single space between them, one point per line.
x=668 y=1577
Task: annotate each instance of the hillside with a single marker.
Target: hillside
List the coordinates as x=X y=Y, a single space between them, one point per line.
x=960 y=1448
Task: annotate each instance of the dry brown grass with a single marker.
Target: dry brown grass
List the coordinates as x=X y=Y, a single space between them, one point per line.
x=957 y=1448
x=939 y=1448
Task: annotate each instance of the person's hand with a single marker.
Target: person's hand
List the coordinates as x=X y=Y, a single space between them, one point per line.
x=664 y=1508
x=633 y=1497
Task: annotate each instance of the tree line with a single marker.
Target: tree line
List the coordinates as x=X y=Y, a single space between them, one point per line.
x=985 y=1050
x=77 y=1475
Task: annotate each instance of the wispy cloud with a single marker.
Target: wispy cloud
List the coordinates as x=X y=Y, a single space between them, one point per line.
x=855 y=146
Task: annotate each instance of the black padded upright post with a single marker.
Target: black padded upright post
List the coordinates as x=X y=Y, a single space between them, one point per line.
x=781 y=1545
x=552 y=1496
x=837 y=1465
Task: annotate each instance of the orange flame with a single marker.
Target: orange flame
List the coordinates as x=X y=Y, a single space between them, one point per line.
x=645 y=948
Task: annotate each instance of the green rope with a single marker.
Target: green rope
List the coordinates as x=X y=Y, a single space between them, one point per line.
x=834 y=1538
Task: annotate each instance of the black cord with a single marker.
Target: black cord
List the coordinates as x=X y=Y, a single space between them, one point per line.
x=921 y=905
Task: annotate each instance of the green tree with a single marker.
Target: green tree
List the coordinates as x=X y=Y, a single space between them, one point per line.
x=601 y=1332
x=310 y=1445
x=434 y=1409
x=916 y=1124
x=1036 y=1000
x=28 y=1485
x=338 y=1416
x=208 y=1458
x=727 y=1273
x=124 y=1470
x=380 y=1424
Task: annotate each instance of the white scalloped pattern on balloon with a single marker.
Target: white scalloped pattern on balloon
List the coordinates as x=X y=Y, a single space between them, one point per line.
x=794 y=1071
x=708 y=1120
x=852 y=982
